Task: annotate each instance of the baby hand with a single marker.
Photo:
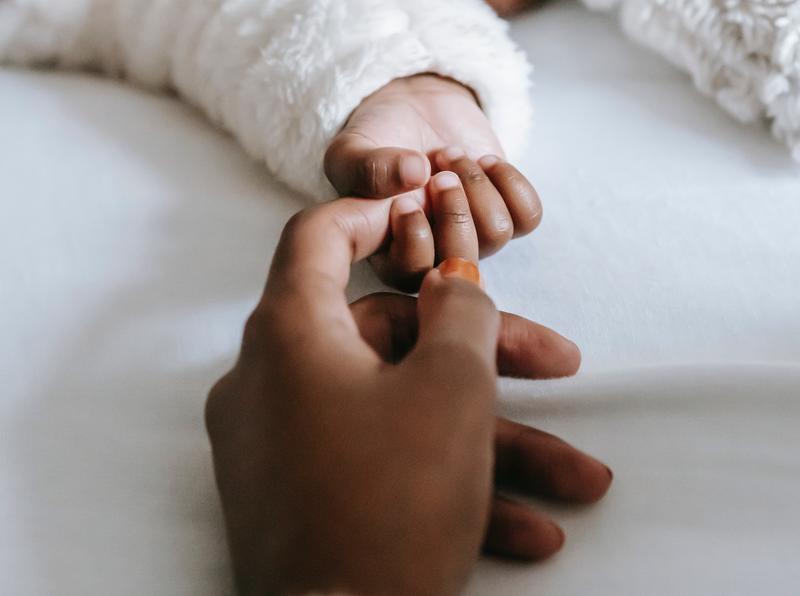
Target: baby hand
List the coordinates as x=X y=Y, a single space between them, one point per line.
x=412 y=128
x=477 y=206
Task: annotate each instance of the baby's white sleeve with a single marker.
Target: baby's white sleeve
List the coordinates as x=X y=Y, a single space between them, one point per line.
x=282 y=76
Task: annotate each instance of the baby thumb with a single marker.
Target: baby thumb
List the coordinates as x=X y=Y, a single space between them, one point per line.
x=356 y=167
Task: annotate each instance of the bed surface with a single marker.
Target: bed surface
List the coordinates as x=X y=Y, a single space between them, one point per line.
x=135 y=238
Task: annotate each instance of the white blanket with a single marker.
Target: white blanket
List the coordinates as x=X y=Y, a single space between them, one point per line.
x=134 y=239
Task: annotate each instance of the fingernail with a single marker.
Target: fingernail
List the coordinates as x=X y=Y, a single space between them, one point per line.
x=406 y=204
x=446 y=181
x=453 y=153
x=488 y=161
x=460 y=268
x=414 y=170
x=610 y=473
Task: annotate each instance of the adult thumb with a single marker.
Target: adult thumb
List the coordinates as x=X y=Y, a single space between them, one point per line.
x=456 y=317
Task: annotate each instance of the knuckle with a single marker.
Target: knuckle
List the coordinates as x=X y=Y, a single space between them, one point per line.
x=473 y=174
x=374 y=175
x=458 y=216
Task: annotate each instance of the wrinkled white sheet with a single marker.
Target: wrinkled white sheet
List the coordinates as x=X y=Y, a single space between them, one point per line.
x=134 y=238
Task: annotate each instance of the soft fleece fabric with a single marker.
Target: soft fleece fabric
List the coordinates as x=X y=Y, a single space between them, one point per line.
x=281 y=75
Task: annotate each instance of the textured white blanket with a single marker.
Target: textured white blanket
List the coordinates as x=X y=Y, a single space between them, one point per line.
x=743 y=53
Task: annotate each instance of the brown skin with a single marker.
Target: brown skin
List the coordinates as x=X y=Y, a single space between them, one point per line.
x=416 y=119
x=506 y=8
x=355 y=446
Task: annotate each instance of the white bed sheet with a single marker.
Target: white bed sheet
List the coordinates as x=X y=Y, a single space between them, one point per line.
x=134 y=238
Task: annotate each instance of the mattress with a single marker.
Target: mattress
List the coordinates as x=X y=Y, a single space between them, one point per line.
x=135 y=238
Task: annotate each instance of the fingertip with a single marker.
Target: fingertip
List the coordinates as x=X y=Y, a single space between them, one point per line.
x=571 y=358
x=531 y=461
x=561 y=355
x=547 y=542
x=588 y=479
x=516 y=531
x=605 y=478
x=557 y=540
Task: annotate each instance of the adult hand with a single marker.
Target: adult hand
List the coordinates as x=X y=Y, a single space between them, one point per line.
x=355 y=447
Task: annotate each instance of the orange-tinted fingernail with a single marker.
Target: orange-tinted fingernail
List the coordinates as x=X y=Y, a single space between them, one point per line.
x=461 y=268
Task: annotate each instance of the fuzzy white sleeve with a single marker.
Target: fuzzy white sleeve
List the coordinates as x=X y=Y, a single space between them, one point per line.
x=281 y=75
x=743 y=53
